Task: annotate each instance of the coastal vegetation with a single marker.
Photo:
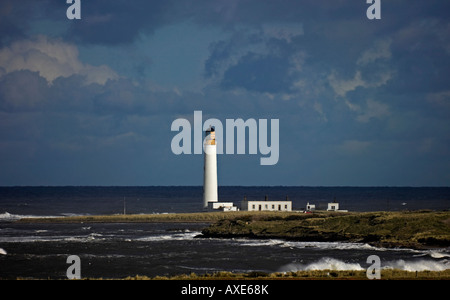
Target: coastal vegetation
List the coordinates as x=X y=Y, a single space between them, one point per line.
x=416 y=229
x=386 y=274
x=141 y=218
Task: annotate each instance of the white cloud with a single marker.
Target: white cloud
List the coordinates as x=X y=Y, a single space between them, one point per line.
x=352 y=106
x=283 y=31
x=374 y=110
x=297 y=61
x=52 y=59
x=440 y=99
x=342 y=87
x=353 y=147
x=381 y=50
x=319 y=109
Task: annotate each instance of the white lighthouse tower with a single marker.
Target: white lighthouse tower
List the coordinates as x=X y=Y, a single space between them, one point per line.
x=210 y=192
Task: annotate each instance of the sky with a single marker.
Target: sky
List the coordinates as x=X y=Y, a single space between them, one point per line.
x=91 y=101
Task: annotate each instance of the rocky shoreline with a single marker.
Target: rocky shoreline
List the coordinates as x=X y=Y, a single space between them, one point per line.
x=417 y=230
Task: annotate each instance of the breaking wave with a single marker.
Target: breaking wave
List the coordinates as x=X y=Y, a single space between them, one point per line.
x=33 y=239
x=7 y=217
x=328 y=263
x=306 y=245
x=325 y=263
x=419 y=266
x=434 y=254
x=169 y=237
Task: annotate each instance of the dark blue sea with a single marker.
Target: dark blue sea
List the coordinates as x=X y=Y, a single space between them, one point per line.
x=57 y=201
x=122 y=250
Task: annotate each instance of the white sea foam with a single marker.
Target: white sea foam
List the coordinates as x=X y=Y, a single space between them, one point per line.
x=419 y=265
x=330 y=246
x=169 y=237
x=7 y=217
x=304 y=245
x=92 y=237
x=52 y=238
x=438 y=255
x=31 y=239
x=325 y=263
x=328 y=263
x=258 y=243
x=14 y=217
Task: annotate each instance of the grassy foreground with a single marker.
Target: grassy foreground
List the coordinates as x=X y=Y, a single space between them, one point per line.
x=308 y=275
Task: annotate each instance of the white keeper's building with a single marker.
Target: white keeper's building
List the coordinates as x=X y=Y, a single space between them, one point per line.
x=266 y=205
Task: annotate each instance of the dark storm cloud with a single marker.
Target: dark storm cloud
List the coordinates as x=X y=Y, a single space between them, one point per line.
x=119 y=22
x=336 y=34
x=262 y=74
x=368 y=97
x=22 y=90
x=17 y=17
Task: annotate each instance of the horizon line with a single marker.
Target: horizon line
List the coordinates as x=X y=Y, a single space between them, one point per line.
x=226 y=186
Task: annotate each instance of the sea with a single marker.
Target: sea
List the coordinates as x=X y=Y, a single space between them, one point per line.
x=120 y=250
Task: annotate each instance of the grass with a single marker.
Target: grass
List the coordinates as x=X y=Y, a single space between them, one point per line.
x=201 y=217
x=141 y=218
x=389 y=274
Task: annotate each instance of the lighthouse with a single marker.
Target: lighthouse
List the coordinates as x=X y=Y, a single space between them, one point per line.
x=210 y=192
